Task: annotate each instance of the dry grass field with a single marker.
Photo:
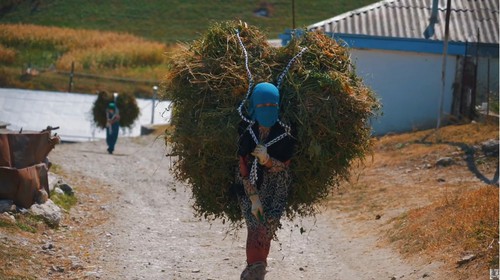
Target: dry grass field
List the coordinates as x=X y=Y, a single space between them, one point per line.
x=442 y=213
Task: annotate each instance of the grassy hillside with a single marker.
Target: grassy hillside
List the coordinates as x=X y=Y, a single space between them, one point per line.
x=108 y=40
x=172 y=20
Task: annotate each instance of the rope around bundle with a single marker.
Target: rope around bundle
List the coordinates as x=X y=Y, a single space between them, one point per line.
x=253 y=170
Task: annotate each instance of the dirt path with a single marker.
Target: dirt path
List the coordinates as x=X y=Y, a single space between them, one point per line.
x=153 y=233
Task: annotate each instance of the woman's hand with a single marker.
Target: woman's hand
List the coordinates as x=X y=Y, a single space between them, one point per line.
x=252 y=194
x=257 y=209
x=260 y=153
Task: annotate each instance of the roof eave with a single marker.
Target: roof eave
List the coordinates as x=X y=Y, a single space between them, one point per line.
x=356 y=41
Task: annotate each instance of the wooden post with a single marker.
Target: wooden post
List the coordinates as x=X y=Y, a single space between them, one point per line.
x=71 y=74
x=488 y=90
x=443 y=69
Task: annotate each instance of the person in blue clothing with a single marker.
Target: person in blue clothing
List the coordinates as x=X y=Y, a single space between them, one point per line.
x=112 y=126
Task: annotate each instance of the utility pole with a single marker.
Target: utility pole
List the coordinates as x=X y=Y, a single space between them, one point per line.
x=445 y=54
x=293 y=14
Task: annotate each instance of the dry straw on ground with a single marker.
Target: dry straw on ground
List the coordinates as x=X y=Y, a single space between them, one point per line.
x=322 y=98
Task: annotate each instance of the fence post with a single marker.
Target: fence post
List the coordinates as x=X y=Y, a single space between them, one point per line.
x=155 y=89
x=71 y=74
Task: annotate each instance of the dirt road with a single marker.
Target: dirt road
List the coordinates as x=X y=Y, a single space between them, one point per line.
x=153 y=234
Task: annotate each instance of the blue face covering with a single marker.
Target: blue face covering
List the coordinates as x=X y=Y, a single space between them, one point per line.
x=264 y=104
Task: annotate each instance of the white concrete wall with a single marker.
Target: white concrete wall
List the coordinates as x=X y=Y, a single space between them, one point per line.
x=409 y=86
x=72 y=112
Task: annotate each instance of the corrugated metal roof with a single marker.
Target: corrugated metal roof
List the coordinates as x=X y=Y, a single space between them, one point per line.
x=409 y=18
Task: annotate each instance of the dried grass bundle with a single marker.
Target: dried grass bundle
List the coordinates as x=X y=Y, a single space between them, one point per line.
x=322 y=98
x=127 y=106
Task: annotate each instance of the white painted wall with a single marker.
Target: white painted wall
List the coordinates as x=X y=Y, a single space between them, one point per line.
x=35 y=110
x=409 y=86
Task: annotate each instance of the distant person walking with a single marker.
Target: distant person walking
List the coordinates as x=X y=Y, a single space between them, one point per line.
x=112 y=126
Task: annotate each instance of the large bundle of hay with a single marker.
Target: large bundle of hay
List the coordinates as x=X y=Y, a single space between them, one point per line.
x=322 y=98
x=127 y=106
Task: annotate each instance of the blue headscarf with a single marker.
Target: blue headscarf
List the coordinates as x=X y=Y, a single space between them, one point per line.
x=264 y=104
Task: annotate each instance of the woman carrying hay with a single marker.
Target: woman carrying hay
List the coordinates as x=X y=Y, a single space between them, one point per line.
x=110 y=113
x=326 y=102
x=265 y=184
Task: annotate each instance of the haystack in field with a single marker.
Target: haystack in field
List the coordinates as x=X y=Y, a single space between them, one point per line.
x=126 y=104
x=322 y=98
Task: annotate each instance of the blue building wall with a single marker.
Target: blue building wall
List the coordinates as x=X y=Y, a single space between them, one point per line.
x=406 y=75
x=408 y=85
